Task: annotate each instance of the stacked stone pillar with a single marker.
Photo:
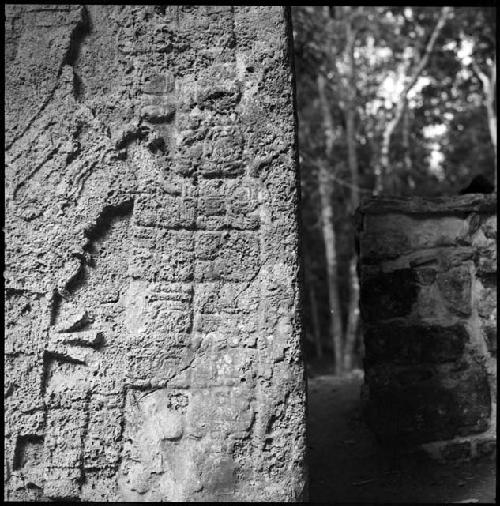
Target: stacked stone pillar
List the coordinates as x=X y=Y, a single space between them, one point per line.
x=428 y=304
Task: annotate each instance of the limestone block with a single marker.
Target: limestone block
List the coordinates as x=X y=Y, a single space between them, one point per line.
x=429 y=405
x=430 y=305
x=405 y=233
x=487 y=299
x=490 y=227
x=433 y=207
x=487 y=447
x=390 y=243
x=387 y=295
x=489 y=332
x=456 y=451
x=404 y=344
x=455 y=286
x=487 y=260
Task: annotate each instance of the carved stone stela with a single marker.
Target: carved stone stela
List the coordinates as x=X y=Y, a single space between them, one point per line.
x=152 y=348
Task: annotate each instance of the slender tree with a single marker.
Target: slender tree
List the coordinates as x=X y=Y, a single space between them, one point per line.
x=325 y=185
x=489 y=82
x=349 y=336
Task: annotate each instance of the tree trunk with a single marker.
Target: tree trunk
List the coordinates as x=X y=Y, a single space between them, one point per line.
x=353 y=317
x=493 y=132
x=376 y=156
x=353 y=309
x=492 y=115
x=327 y=222
x=325 y=189
x=315 y=321
x=350 y=118
x=408 y=166
x=489 y=87
x=384 y=157
x=313 y=306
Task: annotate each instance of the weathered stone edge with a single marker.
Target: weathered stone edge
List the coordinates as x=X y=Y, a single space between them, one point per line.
x=435 y=205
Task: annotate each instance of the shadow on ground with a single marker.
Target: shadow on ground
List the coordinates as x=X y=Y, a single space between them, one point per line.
x=346 y=464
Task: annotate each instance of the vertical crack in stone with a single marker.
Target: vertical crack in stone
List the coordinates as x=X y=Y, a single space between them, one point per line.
x=78 y=35
x=81 y=31
x=55 y=305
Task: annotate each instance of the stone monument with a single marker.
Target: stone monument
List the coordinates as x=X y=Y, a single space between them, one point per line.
x=152 y=348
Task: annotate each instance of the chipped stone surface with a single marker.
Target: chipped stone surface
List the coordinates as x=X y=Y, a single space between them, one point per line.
x=428 y=303
x=152 y=290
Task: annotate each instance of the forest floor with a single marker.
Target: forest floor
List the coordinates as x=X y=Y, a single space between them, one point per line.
x=346 y=463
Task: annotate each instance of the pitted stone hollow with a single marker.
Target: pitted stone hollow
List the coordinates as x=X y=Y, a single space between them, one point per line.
x=153 y=300
x=428 y=303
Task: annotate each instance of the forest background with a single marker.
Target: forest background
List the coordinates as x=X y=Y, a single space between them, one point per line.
x=391 y=101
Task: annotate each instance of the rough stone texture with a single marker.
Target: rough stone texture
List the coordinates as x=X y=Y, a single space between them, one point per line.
x=152 y=290
x=428 y=303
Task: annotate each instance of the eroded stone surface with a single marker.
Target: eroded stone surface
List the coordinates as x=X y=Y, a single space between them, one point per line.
x=414 y=345
x=152 y=298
